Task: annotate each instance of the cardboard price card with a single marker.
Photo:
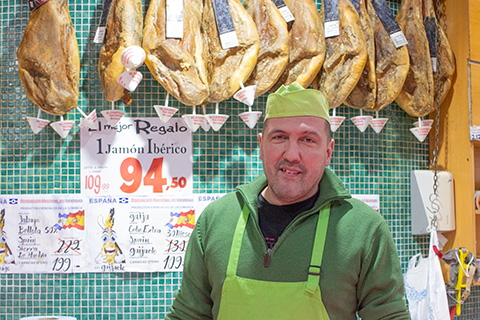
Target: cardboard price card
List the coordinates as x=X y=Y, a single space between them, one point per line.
x=137 y=156
x=140 y=233
x=42 y=234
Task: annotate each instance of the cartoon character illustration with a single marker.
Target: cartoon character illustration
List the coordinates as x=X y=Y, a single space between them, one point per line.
x=111 y=252
x=6 y=255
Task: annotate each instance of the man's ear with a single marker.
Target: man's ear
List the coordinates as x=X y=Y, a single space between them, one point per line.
x=329 y=152
x=260 y=142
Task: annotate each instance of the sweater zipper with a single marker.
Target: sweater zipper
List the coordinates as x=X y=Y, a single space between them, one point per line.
x=266 y=259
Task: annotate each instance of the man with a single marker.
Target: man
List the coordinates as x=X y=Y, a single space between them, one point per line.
x=292 y=244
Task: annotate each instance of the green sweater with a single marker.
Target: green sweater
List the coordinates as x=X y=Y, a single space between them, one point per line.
x=360 y=269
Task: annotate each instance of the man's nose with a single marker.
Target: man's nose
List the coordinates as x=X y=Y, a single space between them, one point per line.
x=292 y=151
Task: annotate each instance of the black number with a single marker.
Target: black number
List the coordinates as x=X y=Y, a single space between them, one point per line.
x=173 y=262
x=67 y=245
x=61 y=264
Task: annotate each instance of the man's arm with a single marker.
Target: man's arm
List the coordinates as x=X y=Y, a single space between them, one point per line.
x=380 y=288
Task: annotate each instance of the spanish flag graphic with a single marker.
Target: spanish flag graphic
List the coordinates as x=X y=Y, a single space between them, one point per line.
x=186 y=219
x=183 y=219
x=75 y=220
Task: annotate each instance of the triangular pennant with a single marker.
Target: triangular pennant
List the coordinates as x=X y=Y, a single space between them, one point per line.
x=90 y=120
x=133 y=57
x=423 y=123
x=336 y=122
x=205 y=125
x=246 y=95
x=112 y=116
x=377 y=124
x=165 y=113
x=361 y=122
x=130 y=80
x=62 y=127
x=37 y=124
x=250 y=118
x=216 y=120
x=420 y=132
x=193 y=121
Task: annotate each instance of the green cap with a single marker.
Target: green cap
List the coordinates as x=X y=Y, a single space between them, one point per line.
x=295 y=101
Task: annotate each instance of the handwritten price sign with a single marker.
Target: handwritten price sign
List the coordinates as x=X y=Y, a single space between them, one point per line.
x=138 y=156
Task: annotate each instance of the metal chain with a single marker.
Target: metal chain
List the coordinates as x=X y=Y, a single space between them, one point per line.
x=440 y=15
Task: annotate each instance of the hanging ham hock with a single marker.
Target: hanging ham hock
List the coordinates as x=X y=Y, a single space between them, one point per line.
x=416 y=96
x=227 y=68
x=177 y=64
x=274 y=39
x=48 y=59
x=124 y=29
x=345 y=58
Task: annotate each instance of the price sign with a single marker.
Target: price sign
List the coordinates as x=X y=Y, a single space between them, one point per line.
x=42 y=233
x=138 y=156
x=147 y=233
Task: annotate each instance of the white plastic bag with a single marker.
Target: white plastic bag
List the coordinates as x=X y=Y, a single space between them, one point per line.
x=424 y=286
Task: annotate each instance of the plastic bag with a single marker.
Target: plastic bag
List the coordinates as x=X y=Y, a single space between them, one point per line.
x=424 y=286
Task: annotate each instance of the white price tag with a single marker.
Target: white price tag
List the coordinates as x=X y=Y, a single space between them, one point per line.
x=434 y=64
x=225 y=26
x=174 y=23
x=398 y=39
x=286 y=14
x=99 y=35
x=229 y=40
x=332 y=29
x=284 y=11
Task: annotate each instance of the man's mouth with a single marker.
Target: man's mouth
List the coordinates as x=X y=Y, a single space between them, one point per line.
x=289 y=171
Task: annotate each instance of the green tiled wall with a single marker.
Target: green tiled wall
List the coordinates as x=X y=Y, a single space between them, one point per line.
x=44 y=163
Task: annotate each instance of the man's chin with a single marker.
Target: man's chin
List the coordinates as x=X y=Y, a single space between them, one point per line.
x=287 y=196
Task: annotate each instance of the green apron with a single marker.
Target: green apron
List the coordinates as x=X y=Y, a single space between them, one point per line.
x=248 y=299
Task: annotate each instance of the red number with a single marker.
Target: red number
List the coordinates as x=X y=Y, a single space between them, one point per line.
x=154 y=176
x=176 y=182
x=131 y=171
x=182 y=182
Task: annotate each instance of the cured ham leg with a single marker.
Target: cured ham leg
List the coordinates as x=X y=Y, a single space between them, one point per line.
x=364 y=94
x=227 y=68
x=416 y=97
x=345 y=57
x=274 y=39
x=391 y=64
x=442 y=78
x=124 y=29
x=177 y=64
x=48 y=59
x=307 y=44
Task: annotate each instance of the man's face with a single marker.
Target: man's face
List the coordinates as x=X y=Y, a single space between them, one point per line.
x=294 y=152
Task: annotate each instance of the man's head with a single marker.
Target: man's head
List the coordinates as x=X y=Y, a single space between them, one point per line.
x=295 y=145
